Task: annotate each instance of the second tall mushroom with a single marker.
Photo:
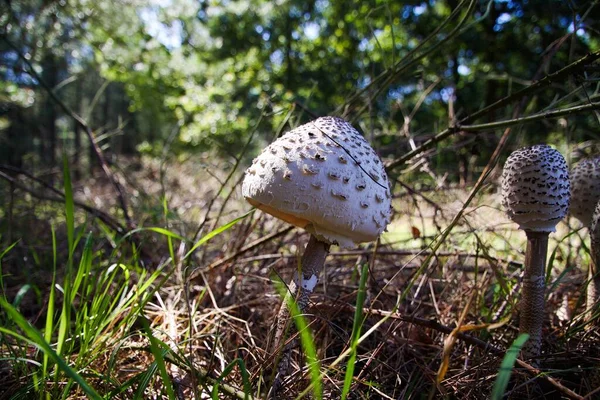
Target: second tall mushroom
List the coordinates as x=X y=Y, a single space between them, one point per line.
x=535 y=193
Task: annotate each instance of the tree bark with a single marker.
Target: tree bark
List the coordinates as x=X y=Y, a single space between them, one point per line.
x=77 y=129
x=48 y=147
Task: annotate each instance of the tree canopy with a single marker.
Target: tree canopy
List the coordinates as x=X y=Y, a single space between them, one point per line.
x=199 y=75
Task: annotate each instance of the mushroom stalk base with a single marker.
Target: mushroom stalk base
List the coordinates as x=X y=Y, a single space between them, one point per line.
x=533 y=293
x=300 y=289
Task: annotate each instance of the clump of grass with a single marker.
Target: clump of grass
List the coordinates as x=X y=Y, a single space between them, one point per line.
x=92 y=309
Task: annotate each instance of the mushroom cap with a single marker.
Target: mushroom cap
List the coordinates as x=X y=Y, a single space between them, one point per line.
x=585 y=189
x=324 y=177
x=595 y=233
x=535 y=188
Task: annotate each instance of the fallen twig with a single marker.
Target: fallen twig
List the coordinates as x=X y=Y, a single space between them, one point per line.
x=196 y=272
x=60 y=198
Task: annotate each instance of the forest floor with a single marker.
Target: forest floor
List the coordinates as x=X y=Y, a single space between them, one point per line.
x=136 y=316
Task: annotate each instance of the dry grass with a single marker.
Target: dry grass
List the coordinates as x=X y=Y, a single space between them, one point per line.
x=227 y=311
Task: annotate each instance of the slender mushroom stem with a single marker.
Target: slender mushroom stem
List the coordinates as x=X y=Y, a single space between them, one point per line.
x=533 y=292
x=302 y=285
x=313 y=260
x=300 y=288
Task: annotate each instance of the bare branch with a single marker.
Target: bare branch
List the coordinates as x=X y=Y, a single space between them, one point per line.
x=558 y=76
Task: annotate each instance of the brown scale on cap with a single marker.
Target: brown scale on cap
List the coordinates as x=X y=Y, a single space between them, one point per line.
x=585 y=189
x=535 y=188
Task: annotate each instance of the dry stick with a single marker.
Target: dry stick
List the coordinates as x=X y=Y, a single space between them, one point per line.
x=101 y=215
x=194 y=274
x=395 y=253
x=227 y=179
x=593 y=289
x=489 y=126
x=558 y=76
x=97 y=150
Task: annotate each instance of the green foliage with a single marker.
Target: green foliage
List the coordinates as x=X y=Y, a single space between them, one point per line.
x=356 y=328
x=507 y=365
x=198 y=75
x=37 y=339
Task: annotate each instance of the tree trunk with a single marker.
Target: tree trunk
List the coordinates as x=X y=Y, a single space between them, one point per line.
x=77 y=129
x=49 y=113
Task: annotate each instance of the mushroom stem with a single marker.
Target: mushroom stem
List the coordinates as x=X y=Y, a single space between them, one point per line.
x=313 y=260
x=303 y=284
x=533 y=292
x=300 y=288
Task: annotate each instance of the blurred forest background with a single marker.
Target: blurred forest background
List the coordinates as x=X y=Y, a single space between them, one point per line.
x=155 y=107
x=197 y=76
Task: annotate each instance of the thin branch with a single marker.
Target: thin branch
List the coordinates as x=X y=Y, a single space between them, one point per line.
x=558 y=76
x=407 y=60
x=196 y=272
x=530 y=118
x=60 y=198
x=397 y=72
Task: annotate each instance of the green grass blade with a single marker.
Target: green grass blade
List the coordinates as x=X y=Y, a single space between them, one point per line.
x=36 y=338
x=356 y=328
x=145 y=378
x=9 y=248
x=216 y=232
x=49 y=326
x=162 y=231
x=507 y=365
x=2 y=254
x=156 y=350
x=245 y=378
x=308 y=344
x=85 y=265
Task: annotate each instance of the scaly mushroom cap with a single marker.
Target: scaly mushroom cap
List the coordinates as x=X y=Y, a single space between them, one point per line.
x=323 y=176
x=595 y=233
x=585 y=189
x=535 y=188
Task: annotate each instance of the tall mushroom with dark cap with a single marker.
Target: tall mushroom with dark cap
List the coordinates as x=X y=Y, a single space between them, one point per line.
x=324 y=177
x=585 y=194
x=535 y=193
